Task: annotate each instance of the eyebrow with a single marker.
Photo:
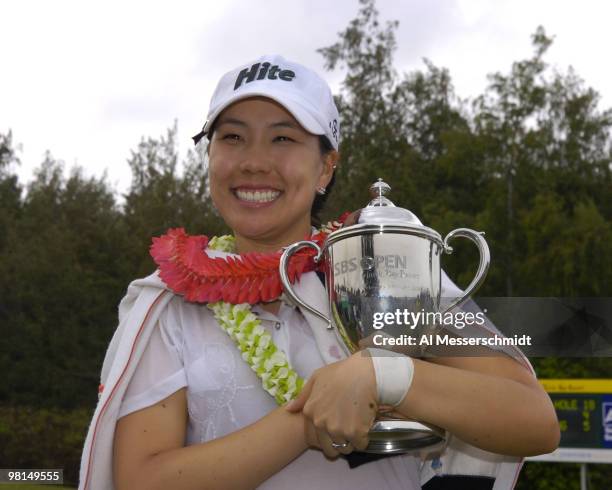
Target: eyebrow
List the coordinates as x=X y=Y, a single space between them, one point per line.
x=238 y=122
x=285 y=124
x=230 y=120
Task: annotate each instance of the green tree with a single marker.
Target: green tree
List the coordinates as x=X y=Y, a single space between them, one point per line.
x=160 y=197
x=366 y=111
x=63 y=272
x=545 y=141
x=10 y=189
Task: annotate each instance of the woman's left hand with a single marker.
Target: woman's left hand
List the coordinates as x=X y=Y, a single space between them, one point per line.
x=341 y=401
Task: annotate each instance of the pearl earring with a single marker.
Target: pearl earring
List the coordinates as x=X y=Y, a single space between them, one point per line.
x=321 y=191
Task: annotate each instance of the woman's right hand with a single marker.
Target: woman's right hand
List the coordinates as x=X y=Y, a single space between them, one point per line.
x=340 y=401
x=321 y=440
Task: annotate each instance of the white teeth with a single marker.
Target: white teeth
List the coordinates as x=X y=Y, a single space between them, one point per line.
x=257 y=196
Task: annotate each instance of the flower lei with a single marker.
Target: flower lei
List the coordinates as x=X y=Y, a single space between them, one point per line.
x=259 y=351
x=238 y=282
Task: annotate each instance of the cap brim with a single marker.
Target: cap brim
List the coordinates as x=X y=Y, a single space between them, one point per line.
x=295 y=108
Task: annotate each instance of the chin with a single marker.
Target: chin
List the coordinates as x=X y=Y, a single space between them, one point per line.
x=252 y=229
x=269 y=234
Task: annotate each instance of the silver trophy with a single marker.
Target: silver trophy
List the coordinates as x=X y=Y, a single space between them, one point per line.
x=385 y=263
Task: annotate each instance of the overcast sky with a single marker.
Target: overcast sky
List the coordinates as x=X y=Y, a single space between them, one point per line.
x=87 y=80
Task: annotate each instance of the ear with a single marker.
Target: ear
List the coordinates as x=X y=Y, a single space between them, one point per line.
x=330 y=162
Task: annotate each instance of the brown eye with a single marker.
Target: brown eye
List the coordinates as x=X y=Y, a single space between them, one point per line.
x=283 y=139
x=231 y=137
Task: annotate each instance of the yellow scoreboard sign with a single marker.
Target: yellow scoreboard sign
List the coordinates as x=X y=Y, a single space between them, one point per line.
x=596 y=386
x=584 y=409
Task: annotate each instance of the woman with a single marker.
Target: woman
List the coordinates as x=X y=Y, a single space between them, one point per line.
x=181 y=409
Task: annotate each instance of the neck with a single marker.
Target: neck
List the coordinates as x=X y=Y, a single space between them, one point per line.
x=246 y=244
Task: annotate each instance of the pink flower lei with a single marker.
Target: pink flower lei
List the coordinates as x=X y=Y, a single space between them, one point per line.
x=253 y=277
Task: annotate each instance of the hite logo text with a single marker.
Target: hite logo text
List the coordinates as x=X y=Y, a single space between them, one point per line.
x=259 y=71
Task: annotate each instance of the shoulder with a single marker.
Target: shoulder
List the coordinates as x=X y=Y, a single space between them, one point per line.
x=150 y=299
x=180 y=315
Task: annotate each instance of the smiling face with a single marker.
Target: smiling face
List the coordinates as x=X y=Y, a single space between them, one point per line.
x=264 y=172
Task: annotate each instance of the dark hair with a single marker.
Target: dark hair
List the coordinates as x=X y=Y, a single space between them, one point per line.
x=319 y=201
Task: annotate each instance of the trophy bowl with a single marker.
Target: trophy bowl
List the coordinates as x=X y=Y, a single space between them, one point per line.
x=386 y=263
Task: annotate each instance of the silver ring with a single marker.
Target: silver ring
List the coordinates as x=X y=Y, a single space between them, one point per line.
x=341 y=445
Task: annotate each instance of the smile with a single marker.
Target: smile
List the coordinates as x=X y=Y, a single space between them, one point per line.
x=262 y=196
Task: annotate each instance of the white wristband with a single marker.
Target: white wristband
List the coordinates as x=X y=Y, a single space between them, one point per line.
x=394 y=373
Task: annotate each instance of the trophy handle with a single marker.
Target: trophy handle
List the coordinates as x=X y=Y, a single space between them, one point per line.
x=483 y=266
x=284 y=275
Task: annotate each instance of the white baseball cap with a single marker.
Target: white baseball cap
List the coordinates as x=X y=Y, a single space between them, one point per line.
x=298 y=89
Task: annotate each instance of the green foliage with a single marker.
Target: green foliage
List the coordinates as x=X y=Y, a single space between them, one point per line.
x=528 y=161
x=10 y=190
x=57 y=257
x=69 y=243
x=160 y=198
x=554 y=476
x=43 y=438
x=569 y=245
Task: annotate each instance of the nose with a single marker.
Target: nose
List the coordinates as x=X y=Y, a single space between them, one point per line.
x=256 y=159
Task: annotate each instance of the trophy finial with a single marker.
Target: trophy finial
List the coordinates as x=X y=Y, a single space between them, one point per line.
x=378 y=190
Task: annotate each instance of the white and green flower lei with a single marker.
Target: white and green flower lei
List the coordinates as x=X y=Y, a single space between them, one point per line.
x=269 y=363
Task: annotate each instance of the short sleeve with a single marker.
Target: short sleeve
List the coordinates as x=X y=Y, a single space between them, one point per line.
x=160 y=371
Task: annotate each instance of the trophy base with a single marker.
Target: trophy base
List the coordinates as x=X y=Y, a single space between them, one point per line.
x=396 y=436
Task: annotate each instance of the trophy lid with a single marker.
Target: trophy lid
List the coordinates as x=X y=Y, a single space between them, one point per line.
x=382 y=216
x=381 y=210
